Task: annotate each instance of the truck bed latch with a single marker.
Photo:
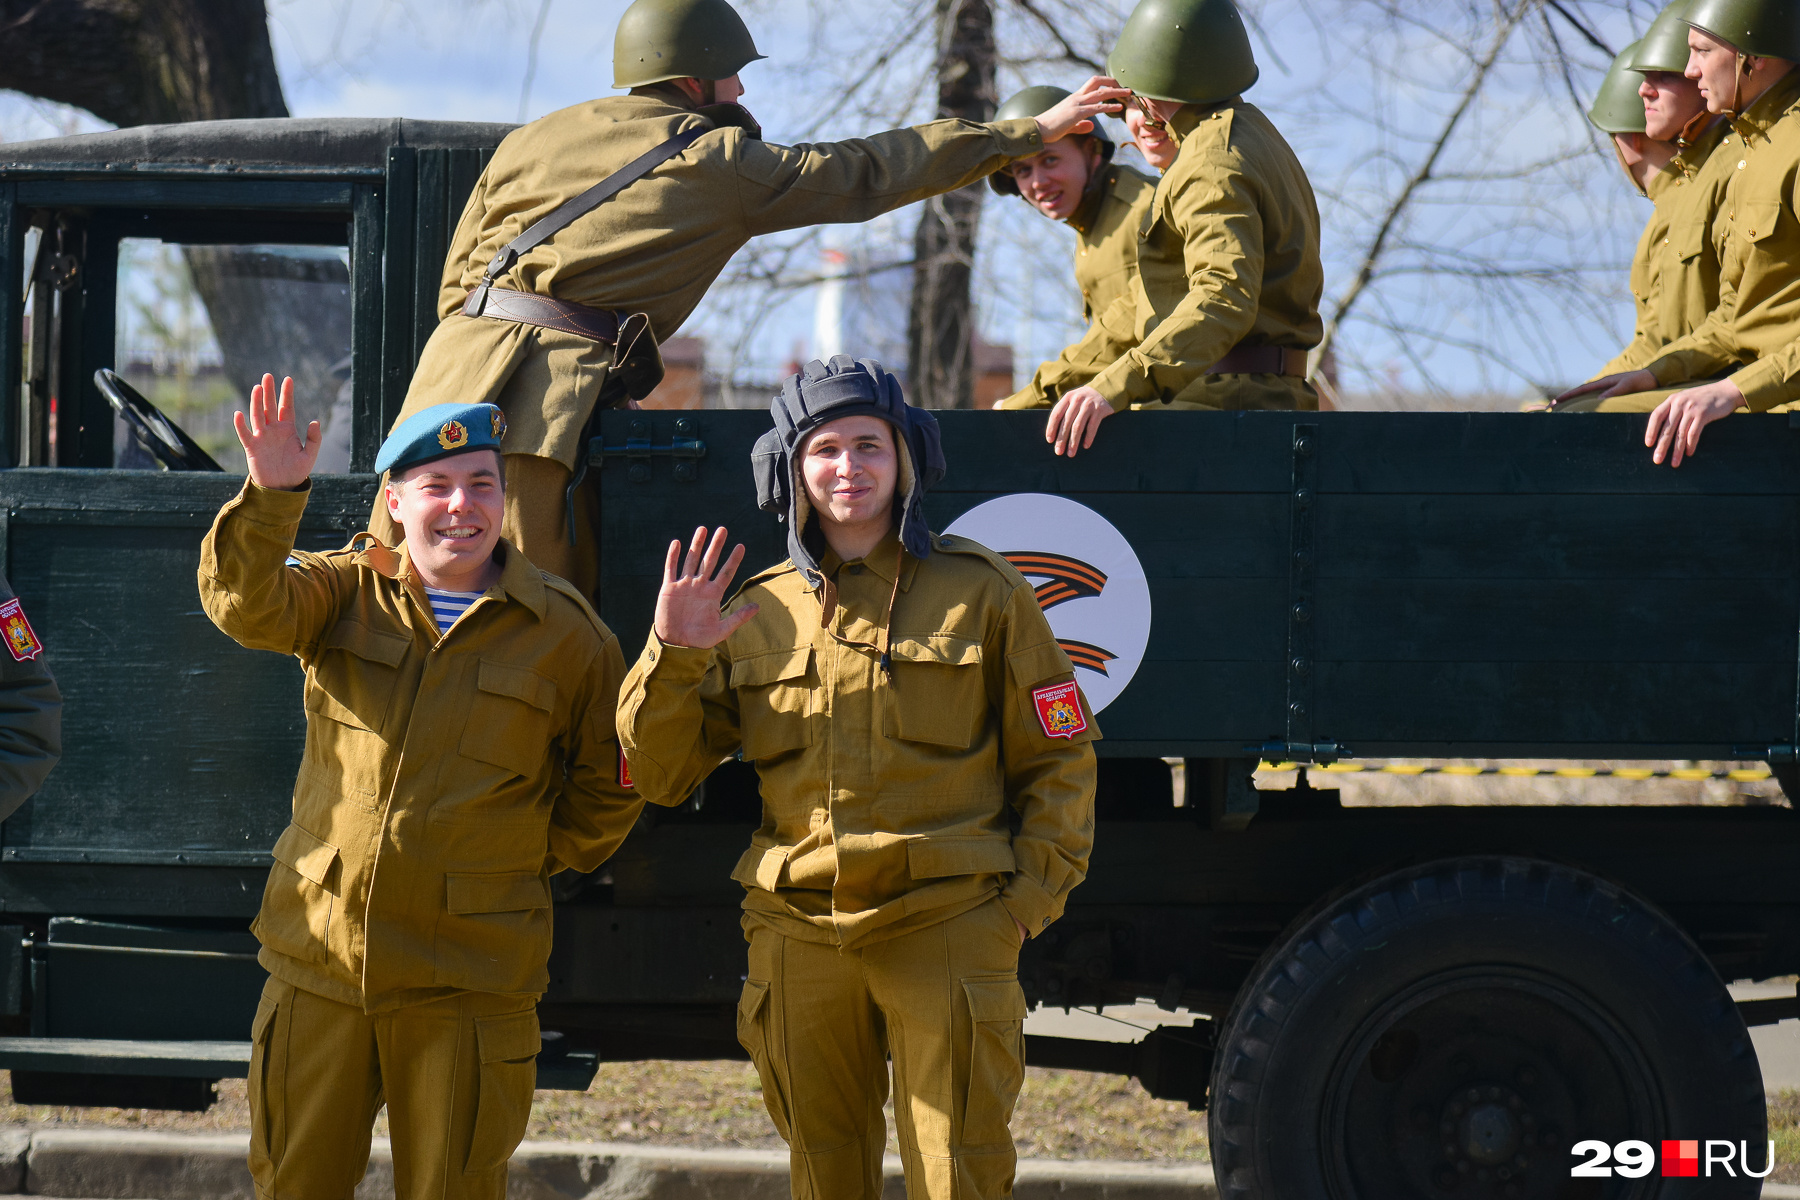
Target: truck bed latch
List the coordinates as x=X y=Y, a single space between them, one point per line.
x=685 y=447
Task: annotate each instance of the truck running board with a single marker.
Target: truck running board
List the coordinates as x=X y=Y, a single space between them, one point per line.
x=561 y=1070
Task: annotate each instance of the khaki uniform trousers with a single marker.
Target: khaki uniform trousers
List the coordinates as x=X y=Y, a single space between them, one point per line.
x=457 y=1076
x=945 y=1003
x=536 y=520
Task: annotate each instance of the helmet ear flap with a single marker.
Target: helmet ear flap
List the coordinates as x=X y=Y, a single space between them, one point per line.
x=928 y=447
x=768 y=465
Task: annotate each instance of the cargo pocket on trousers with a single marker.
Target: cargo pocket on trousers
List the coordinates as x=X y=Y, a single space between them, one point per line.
x=264 y=1082
x=508 y=1048
x=996 y=1059
x=753 y=1035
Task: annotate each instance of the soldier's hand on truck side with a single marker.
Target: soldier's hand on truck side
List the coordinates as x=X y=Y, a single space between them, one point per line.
x=1075 y=420
x=687 y=607
x=1677 y=422
x=1075 y=113
x=1622 y=384
x=278 y=458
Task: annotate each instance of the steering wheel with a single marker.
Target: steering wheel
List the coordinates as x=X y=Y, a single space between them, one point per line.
x=163 y=438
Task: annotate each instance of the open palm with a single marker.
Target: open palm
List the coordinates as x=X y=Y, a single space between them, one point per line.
x=687 y=607
x=277 y=456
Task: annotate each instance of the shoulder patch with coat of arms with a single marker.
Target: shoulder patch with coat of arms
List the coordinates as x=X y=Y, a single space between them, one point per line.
x=1059 y=709
x=21 y=639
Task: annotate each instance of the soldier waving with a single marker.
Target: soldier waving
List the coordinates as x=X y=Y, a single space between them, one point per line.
x=927 y=783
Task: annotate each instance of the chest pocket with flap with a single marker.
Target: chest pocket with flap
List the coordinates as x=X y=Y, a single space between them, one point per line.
x=939 y=694
x=1761 y=221
x=509 y=718
x=353 y=677
x=775 y=700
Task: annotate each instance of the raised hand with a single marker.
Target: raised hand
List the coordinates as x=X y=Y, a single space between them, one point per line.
x=687 y=607
x=278 y=458
x=1075 y=112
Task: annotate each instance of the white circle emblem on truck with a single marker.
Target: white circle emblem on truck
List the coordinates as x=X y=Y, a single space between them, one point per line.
x=1089 y=582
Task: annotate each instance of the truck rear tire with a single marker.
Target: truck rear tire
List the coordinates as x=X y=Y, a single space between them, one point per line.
x=1455 y=1028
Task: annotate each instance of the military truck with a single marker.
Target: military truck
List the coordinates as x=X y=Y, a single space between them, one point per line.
x=1393 y=1002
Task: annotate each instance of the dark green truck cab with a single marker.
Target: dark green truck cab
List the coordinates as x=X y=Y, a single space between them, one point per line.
x=1397 y=1001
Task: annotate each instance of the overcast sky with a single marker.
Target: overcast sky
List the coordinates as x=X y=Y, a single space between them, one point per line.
x=474 y=60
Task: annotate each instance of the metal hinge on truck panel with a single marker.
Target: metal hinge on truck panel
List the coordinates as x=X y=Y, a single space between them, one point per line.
x=685 y=447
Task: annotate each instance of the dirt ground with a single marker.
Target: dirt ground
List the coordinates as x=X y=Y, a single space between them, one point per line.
x=1061 y=1114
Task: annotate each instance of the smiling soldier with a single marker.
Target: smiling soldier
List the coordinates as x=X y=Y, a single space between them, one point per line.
x=1076 y=182
x=459 y=750
x=927 y=784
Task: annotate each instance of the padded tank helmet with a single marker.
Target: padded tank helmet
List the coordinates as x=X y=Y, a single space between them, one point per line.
x=825 y=392
x=1185 y=51
x=1029 y=103
x=677 y=39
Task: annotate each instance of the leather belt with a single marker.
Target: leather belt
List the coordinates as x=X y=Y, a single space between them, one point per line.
x=505 y=304
x=1261 y=360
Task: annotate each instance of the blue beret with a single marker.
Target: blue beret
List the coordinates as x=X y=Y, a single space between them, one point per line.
x=440 y=431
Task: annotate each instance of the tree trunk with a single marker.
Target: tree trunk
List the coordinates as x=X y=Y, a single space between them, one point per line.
x=940 y=326
x=143 y=62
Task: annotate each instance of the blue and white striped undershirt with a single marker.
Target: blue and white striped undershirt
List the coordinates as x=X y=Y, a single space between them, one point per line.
x=447 y=607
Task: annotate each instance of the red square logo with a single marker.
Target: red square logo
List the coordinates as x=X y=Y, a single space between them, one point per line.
x=624 y=771
x=1680 y=1159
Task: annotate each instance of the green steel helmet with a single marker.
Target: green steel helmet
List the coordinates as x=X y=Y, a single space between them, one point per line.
x=1664 y=45
x=1617 y=106
x=1187 y=51
x=675 y=39
x=1760 y=27
x=1029 y=103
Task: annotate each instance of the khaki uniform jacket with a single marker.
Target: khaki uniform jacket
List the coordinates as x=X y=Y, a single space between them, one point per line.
x=1230 y=255
x=445 y=777
x=1757 y=233
x=30 y=724
x=656 y=246
x=1675 y=272
x=888 y=804
x=1107 y=224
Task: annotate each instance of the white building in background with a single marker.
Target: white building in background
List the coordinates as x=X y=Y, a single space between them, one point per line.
x=860 y=309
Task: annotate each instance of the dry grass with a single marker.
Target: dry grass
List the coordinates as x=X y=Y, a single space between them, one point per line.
x=1061 y=1114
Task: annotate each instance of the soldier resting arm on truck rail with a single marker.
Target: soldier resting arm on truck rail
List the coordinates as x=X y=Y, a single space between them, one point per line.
x=927 y=784
x=1226 y=303
x=1746 y=354
x=459 y=751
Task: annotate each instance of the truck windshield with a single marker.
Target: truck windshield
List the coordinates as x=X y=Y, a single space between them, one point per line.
x=199 y=324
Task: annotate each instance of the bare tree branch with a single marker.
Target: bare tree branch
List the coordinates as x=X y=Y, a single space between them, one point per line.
x=1069 y=52
x=1583 y=28
x=1397 y=209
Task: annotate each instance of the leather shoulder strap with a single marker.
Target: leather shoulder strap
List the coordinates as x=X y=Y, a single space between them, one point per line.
x=565 y=214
